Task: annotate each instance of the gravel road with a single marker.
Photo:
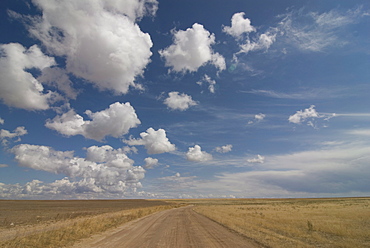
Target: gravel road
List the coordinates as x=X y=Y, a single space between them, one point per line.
x=174 y=228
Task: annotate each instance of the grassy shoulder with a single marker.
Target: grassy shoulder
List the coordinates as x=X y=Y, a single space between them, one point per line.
x=337 y=222
x=66 y=232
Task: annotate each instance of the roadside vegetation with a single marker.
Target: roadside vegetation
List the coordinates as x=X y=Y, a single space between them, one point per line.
x=335 y=222
x=65 y=231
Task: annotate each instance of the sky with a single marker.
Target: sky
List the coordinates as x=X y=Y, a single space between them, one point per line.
x=112 y=99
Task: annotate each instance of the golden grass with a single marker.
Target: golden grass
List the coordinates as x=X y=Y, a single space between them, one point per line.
x=339 y=222
x=73 y=230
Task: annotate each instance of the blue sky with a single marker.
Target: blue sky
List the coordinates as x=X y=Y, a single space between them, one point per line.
x=182 y=99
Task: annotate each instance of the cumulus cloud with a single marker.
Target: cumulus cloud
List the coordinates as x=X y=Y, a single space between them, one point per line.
x=59 y=79
x=18 y=87
x=155 y=142
x=5 y=135
x=150 y=163
x=114 y=121
x=2 y=121
x=239 y=25
x=99 y=39
x=105 y=169
x=178 y=101
x=224 y=149
x=196 y=154
x=191 y=49
x=259 y=159
x=259 y=117
x=263 y=42
x=302 y=115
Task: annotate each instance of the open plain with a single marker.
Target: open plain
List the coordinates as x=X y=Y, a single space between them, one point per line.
x=324 y=222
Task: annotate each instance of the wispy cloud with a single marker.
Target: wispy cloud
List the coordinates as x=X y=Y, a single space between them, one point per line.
x=315 y=31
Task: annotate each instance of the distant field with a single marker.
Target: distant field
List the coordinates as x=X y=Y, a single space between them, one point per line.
x=29 y=212
x=336 y=222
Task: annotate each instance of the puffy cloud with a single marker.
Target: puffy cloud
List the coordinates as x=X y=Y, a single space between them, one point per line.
x=114 y=121
x=58 y=78
x=263 y=42
x=18 y=87
x=109 y=156
x=2 y=121
x=192 y=49
x=114 y=173
x=150 y=163
x=259 y=159
x=99 y=39
x=239 y=25
x=134 y=9
x=224 y=149
x=259 y=117
x=300 y=116
x=5 y=134
x=155 y=142
x=196 y=154
x=179 y=101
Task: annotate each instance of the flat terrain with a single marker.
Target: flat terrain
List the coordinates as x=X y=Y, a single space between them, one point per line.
x=321 y=222
x=180 y=227
x=29 y=212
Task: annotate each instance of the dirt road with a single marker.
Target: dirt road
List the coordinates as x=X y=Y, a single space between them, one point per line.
x=174 y=228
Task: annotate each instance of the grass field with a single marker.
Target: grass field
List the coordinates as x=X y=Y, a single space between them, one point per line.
x=61 y=223
x=331 y=222
x=337 y=222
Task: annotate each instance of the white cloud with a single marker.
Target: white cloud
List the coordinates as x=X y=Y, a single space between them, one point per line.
x=113 y=173
x=109 y=156
x=191 y=49
x=360 y=132
x=259 y=117
x=211 y=83
x=2 y=121
x=150 y=163
x=334 y=170
x=224 y=149
x=114 y=121
x=5 y=134
x=155 y=142
x=239 y=25
x=301 y=116
x=19 y=88
x=196 y=154
x=179 y=101
x=99 y=39
x=58 y=78
x=259 y=159
x=316 y=31
x=263 y=42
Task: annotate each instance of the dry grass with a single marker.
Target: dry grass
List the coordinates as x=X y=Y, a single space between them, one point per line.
x=340 y=222
x=66 y=232
x=14 y=213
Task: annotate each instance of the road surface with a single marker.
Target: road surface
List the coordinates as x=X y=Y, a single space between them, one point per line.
x=174 y=228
